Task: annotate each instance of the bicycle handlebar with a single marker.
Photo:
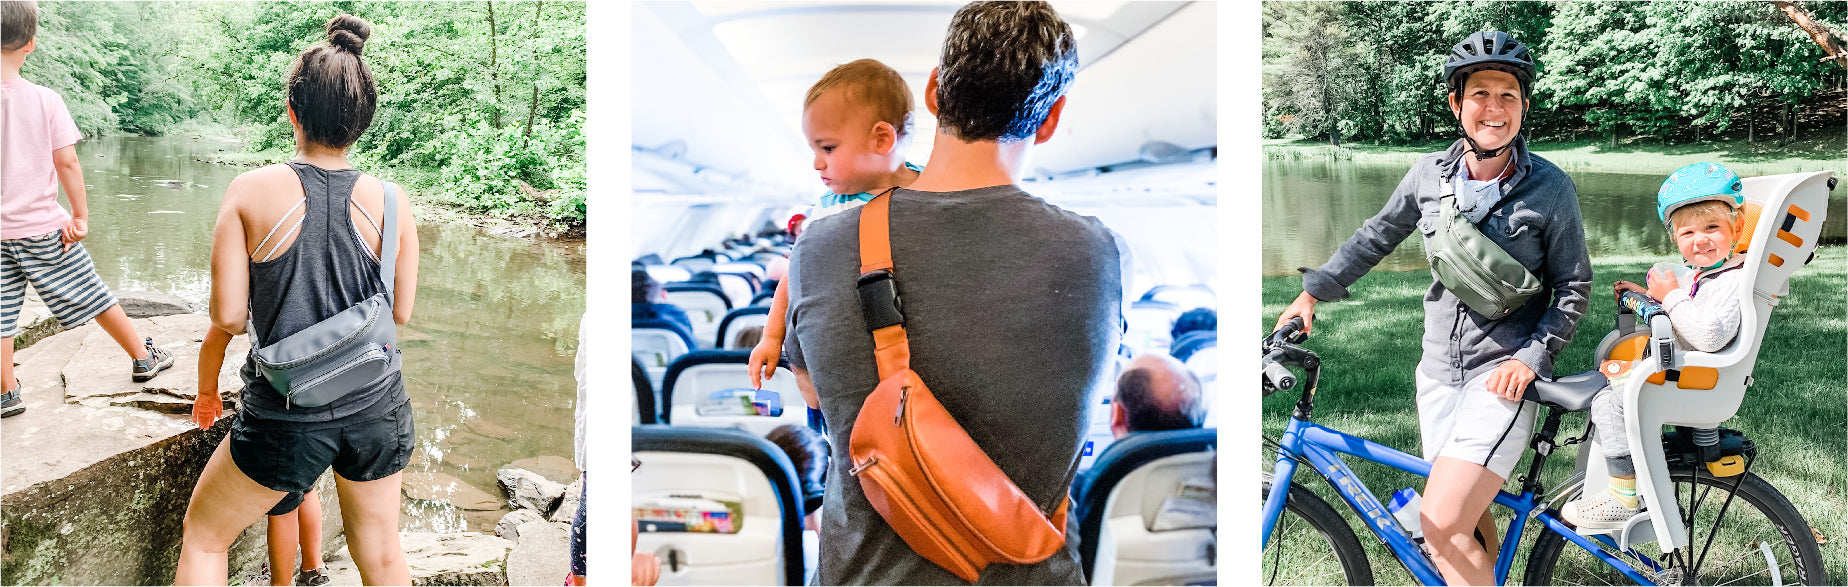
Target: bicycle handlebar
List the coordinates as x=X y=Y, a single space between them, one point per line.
x=1278 y=377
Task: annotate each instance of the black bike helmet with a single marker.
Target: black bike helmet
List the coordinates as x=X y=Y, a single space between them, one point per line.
x=1489 y=50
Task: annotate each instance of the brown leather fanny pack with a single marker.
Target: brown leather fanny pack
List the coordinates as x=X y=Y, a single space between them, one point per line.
x=919 y=468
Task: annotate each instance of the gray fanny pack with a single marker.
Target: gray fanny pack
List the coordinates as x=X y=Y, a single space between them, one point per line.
x=1475 y=269
x=348 y=350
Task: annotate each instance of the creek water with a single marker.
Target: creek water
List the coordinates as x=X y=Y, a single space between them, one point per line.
x=1312 y=206
x=488 y=354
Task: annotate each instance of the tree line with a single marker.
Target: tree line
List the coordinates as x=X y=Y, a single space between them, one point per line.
x=481 y=103
x=1670 y=72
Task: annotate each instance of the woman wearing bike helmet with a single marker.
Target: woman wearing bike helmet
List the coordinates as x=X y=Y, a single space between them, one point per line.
x=1474 y=368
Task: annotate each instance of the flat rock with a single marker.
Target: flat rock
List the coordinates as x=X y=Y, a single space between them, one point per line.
x=526 y=489
x=442 y=487
x=554 y=468
x=147 y=304
x=542 y=555
x=464 y=558
x=567 y=508
x=97 y=373
x=35 y=322
x=509 y=526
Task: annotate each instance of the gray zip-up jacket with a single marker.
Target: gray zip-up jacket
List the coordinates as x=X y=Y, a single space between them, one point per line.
x=1537 y=221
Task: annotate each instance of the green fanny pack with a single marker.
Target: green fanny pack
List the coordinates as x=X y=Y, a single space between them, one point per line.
x=1474 y=268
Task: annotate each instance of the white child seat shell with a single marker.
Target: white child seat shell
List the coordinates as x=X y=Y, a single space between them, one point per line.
x=1793 y=207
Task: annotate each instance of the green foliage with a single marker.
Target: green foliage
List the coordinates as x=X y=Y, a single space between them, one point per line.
x=481 y=104
x=1676 y=71
x=114 y=64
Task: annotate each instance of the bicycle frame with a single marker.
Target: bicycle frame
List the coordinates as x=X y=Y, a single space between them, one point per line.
x=1322 y=448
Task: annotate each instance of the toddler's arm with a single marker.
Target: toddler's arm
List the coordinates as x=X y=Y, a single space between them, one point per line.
x=764 y=357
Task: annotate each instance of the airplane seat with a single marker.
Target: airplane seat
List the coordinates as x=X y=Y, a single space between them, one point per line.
x=668 y=273
x=764 y=298
x=645 y=400
x=1147 y=510
x=751 y=271
x=1193 y=342
x=1185 y=297
x=699 y=375
x=1205 y=365
x=656 y=344
x=705 y=304
x=744 y=480
x=736 y=322
x=736 y=286
x=648 y=259
x=1149 y=325
x=764 y=258
x=694 y=264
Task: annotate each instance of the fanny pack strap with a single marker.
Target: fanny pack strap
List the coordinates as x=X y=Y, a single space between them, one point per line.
x=878 y=288
x=388 y=243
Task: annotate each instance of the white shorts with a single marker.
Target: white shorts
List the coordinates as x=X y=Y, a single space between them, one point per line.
x=1472 y=424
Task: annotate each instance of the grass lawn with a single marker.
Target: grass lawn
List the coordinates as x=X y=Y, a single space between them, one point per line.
x=1760 y=158
x=1796 y=412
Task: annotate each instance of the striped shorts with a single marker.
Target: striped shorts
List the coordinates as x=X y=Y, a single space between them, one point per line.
x=65 y=280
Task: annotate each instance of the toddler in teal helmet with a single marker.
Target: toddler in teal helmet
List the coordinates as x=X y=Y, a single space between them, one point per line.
x=1700 y=206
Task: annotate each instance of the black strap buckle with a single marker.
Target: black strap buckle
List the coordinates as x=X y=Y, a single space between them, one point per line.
x=879 y=301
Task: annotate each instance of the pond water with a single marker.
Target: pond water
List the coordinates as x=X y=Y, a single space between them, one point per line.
x=1312 y=206
x=488 y=354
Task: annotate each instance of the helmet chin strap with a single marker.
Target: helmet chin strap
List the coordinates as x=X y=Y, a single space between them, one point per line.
x=1487 y=154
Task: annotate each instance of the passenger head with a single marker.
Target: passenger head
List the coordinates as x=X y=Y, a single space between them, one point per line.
x=808 y=452
x=856 y=120
x=18 y=27
x=776 y=269
x=644 y=289
x=332 y=94
x=1003 y=72
x=1195 y=319
x=1155 y=393
x=748 y=337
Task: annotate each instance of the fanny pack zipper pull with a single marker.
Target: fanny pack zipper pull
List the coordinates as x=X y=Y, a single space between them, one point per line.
x=904 y=393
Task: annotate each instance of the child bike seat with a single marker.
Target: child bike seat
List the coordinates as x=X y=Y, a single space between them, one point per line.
x=1571 y=393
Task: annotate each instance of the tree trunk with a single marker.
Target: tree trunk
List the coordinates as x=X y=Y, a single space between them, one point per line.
x=1831 y=41
x=532 y=108
x=494 y=67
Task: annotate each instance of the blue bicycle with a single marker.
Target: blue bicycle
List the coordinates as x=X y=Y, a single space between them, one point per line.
x=1752 y=533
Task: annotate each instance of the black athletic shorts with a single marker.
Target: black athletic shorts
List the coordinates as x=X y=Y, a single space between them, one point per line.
x=290 y=456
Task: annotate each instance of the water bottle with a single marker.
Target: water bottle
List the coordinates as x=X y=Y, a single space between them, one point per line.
x=1404 y=507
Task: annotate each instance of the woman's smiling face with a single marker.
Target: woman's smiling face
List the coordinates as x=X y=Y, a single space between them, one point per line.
x=1490 y=108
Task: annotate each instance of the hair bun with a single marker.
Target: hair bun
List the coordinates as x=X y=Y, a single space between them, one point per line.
x=348 y=32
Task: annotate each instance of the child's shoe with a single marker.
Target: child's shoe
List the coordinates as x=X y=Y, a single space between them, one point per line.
x=11 y=403
x=1601 y=513
x=313 y=577
x=158 y=360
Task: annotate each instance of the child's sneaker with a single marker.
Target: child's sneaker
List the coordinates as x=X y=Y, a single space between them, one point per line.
x=1601 y=513
x=11 y=403
x=158 y=360
x=313 y=577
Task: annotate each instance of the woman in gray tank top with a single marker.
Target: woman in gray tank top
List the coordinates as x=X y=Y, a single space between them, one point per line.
x=294 y=245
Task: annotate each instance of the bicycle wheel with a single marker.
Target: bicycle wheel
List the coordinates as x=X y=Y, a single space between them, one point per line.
x=1762 y=541
x=1312 y=545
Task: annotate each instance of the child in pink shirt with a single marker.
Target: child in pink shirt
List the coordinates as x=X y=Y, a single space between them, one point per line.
x=39 y=241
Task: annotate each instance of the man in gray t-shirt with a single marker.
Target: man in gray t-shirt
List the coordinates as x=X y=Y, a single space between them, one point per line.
x=1012 y=305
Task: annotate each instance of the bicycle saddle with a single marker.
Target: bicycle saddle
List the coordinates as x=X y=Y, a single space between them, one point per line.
x=1571 y=393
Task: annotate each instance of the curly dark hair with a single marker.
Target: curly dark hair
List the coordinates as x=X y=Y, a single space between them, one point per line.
x=1003 y=65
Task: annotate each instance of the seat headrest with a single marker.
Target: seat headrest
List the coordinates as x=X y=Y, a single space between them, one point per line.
x=1748 y=222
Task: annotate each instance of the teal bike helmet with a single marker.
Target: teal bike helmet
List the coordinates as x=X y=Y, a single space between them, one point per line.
x=1699 y=182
